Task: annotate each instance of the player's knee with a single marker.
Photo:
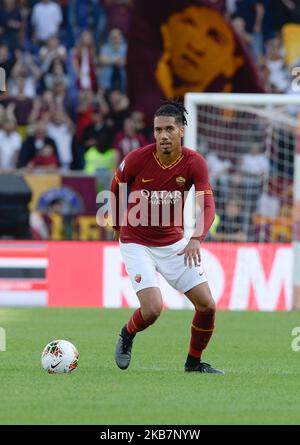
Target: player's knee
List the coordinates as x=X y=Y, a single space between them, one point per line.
x=152 y=312
x=211 y=308
x=208 y=308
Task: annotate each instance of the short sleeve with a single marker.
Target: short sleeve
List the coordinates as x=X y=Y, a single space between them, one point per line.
x=200 y=177
x=125 y=171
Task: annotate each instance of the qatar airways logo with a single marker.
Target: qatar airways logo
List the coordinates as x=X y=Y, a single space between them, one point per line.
x=164 y=197
x=155 y=208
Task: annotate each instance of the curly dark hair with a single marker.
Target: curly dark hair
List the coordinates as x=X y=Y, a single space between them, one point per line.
x=173 y=108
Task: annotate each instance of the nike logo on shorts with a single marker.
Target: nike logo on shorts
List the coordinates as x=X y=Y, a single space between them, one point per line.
x=147 y=180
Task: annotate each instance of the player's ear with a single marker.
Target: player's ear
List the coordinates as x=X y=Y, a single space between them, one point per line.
x=181 y=131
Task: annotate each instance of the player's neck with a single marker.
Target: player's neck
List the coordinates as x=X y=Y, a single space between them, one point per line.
x=168 y=159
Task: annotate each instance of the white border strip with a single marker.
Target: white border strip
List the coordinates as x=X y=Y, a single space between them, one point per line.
x=24 y=263
x=242 y=99
x=33 y=298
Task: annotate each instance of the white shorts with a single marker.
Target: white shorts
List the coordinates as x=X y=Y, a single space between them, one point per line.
x=143 y=262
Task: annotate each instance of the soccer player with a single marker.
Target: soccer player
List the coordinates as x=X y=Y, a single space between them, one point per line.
x=160 y=175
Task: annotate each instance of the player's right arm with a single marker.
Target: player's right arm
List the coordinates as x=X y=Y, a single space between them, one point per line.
x=205 y=207
x=121 y=179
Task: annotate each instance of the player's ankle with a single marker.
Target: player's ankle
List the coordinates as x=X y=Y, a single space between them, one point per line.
x=192 y=361
x=125 y=332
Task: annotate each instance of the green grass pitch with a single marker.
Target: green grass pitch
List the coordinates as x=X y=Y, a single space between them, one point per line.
x=261 y=385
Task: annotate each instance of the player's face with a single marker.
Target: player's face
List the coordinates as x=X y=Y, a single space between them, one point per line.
x=167 y=134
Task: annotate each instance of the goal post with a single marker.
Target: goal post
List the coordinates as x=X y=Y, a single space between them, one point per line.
x=252 y=146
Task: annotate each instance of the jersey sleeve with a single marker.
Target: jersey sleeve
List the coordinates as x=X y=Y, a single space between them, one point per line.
x=123 y=175
x=200 y=177
x=204 y=198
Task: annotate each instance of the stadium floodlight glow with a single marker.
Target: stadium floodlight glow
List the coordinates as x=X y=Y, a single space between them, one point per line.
x=222 y=123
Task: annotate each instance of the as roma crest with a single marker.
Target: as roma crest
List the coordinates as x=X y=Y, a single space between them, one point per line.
x=180 y=180
x=138 y=277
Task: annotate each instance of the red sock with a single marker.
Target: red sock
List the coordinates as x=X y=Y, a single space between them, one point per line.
x=201 y=330
x=137 y=323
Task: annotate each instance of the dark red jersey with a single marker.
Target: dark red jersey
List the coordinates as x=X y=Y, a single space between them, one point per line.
x=156 y=194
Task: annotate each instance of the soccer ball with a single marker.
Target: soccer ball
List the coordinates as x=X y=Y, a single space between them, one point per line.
x=59 y=356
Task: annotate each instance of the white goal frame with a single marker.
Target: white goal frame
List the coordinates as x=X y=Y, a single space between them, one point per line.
x=191 y=101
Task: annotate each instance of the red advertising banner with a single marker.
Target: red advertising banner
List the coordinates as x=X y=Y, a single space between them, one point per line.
x=92 y=274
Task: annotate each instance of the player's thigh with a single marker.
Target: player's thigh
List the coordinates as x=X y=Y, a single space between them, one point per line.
x=151 y=301
x=201 y=297
x=139 y=266
x=172 y=268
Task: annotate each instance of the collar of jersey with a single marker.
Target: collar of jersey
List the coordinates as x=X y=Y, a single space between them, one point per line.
x=165 y=167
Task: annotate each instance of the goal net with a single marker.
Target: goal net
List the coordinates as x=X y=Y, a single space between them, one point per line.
x=249 y=142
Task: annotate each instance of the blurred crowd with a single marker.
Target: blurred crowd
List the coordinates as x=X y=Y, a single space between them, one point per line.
x=66 y=105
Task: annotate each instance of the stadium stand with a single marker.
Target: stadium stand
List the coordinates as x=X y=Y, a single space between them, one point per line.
x=66 y=106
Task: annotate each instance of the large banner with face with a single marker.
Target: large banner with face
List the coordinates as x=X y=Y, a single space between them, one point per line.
x=180 y=46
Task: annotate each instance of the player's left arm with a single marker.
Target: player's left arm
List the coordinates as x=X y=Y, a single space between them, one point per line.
x=205 y=211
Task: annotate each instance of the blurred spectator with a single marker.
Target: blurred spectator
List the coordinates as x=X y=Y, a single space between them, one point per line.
x=239 y=25
x=53 y=50
x=43 y=107
x=98 y=133
x=128 y=139
x=84 y=113
x=113 y=61
x=33 y=145
x=63 y=99
x=218 y=167
x=118 y=14
x=99 y=20
x=78 y=15
x=101 y=163
x=10 y=145
x=279 y=76
x=119 y=109
x=264 y=74
x=57 y=73
x=253 y=12
x=46 y=20
x=255 y=167
x=7 y=59
x=21 y=104
x=61 y=129
x=26 y=69
x=231 y=224
x=10 y=24
x=45 y=159
x=268 y=205
x=256 y=162
x=138 y=118
x=84 y=62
